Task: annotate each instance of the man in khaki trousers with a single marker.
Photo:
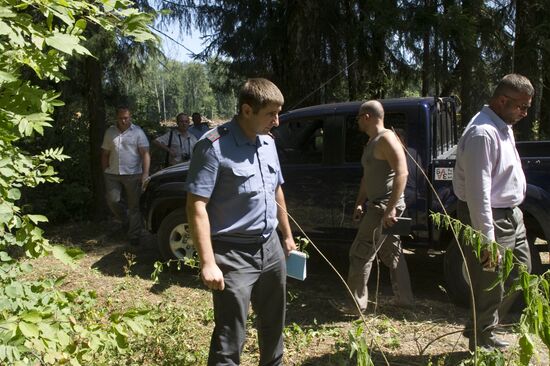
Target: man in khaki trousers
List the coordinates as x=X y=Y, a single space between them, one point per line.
x=382 y=186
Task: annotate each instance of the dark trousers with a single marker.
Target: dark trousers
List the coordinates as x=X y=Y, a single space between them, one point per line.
x=252 y=273
x=509 y=234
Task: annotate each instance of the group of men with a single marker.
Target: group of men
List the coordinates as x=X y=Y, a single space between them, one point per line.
x=126 y=160
x=235 y=203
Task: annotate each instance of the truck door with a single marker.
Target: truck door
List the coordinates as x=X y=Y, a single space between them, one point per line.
x=308 y=149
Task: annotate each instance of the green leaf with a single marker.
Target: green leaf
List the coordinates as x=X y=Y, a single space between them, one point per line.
x=29 y=330
x=31 y=316
x=4 y=257
x=5 y=29
x=6 y=13
x=65 y=255
x=81 y=24
x=14 y=194
x=135 y=326
x=37 y=218
x=121 y=341
x=6 y=213
x=526 y=349
x=6 y=77
x=67 y=43
x=63 y=338
x=47 y=331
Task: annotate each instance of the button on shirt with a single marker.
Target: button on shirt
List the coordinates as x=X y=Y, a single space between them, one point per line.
x=488 y=171
x=124 y=157
x=183 y=145
x=239 y=177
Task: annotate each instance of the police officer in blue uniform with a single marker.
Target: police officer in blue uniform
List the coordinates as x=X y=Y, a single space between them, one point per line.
x=234 y=204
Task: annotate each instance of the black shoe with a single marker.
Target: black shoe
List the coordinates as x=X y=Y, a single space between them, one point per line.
x=343 y=308
x=488 y=341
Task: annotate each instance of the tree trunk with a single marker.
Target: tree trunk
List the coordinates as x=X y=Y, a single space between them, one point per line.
x=544 y=120
x=526 y=60
x=468 y=53
x=97 y=117
x=426 y=52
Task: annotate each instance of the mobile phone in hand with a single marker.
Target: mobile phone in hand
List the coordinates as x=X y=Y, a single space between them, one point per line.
x=401 y=227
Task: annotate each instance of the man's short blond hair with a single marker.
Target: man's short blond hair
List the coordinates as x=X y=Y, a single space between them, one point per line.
x=259 y=92
x=514 y=83
x=373 y=108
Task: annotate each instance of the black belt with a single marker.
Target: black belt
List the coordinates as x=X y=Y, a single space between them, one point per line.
x=493 y=208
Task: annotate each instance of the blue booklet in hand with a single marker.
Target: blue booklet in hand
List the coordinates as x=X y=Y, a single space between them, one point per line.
x=296 y=265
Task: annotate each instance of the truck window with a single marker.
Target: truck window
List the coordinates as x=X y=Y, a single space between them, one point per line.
x=300 y=142
x=356 y=140
x=443 y=129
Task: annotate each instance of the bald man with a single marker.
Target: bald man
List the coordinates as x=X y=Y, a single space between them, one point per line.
x=382 y=186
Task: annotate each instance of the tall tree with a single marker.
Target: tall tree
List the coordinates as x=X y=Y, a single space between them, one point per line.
x=527 y=57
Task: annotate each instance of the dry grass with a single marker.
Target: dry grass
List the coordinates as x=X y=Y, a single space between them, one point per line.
x=316 y=334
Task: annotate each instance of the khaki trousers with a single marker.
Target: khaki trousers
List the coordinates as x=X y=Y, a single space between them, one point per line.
x=125 y=212
x=388 y=248
x=509 y=234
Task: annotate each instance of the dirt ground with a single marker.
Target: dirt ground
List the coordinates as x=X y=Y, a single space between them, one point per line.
x=429 y=334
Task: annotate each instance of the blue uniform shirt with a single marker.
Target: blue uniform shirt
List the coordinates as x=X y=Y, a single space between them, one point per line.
x=239 y=177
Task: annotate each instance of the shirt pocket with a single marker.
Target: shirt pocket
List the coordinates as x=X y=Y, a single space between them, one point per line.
x=272 y=177
x=243 y=179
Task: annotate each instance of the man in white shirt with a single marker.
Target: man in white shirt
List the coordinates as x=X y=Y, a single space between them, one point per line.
x=490 y=184
x=125 y=161
x=178 y=143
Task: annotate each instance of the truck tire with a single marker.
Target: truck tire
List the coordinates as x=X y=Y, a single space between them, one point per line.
x=454 y=271
x=174 y=237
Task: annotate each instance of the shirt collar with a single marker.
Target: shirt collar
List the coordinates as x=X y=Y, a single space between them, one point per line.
x=497 y=121
x=180 y=134
x=240 y=137
x=131 y=127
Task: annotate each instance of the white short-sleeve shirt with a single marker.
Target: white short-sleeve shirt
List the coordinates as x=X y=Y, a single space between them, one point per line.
x=124 y=157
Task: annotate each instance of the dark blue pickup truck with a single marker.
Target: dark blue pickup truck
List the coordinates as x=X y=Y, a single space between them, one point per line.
x=320 y=149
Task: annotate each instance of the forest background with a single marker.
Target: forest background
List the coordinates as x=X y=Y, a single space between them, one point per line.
x=315 y=51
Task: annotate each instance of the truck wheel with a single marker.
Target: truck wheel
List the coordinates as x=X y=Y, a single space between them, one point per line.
x=174 y=237
x=454 y=270
x=538 y=251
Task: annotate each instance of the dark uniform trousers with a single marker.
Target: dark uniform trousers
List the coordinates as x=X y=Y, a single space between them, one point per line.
x=252 y=273
x=509 y=234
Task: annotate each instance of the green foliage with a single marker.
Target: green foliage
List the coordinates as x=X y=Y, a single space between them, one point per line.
x=478 y=242
x=301 y=338
x=173 y=263
x=43 y=324
x=358 y=345
x=166 y=89
x=487 y=358
x=40 y=324
x=302 y=243
x=172 y=341
x=535 y=318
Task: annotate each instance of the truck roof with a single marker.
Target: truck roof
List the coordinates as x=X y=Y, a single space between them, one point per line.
x=352 y=107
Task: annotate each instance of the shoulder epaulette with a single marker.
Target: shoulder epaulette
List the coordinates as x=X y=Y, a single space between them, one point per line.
x=216 y=133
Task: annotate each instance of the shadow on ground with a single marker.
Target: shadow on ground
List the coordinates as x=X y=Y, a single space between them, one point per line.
x=341 y=358
x=117 y=258
x=323 y=285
